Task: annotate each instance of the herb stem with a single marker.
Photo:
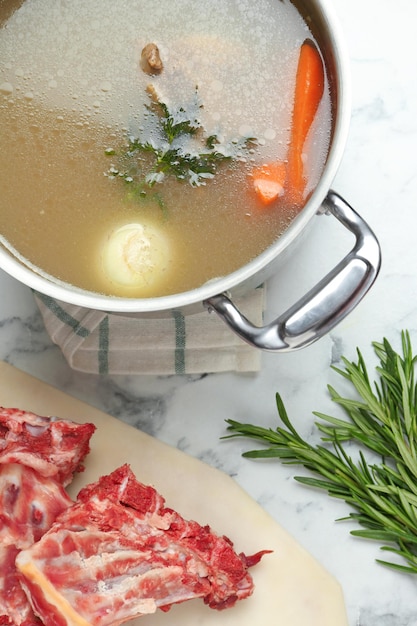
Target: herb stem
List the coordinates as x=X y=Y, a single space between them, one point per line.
x=177 y=146
x=381 y=418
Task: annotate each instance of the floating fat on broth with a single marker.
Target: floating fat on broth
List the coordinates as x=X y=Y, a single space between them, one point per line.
x=71 y=86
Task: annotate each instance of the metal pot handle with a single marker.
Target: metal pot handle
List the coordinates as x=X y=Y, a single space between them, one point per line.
x=326 y=304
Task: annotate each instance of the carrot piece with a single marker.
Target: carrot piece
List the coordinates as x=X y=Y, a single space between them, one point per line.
x=309 y=88
x=273 y=180
x=269 y=181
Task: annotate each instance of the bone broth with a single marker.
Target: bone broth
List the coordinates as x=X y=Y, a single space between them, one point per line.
x=148 y=147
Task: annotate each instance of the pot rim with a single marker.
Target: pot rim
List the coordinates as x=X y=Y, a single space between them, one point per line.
x=59 y=290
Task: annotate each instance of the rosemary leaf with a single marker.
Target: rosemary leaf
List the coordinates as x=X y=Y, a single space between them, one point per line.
x=381 y=419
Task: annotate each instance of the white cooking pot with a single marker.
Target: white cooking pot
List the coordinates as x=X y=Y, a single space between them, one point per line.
x=328 y=302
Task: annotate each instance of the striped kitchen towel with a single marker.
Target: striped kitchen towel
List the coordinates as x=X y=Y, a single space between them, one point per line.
x=105 y=343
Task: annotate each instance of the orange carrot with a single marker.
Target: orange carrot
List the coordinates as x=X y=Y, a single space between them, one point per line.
x=309 y=87
x=274 y=180
x=269 y=181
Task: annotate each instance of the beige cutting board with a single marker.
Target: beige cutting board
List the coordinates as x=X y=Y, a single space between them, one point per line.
x=291 y=588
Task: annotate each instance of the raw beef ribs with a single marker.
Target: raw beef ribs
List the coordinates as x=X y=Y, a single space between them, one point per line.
x=29 y=504
x=53 y=447
x=14 y=605
x=38 y=456
x=119 y=553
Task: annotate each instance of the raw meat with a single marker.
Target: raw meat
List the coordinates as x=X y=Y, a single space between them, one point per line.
x=38 y=456
x=53 y=447
x=29 y=504
x=119 y=553
x=14 y=605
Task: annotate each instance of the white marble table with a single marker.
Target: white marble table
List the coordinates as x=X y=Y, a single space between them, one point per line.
x=378 y=176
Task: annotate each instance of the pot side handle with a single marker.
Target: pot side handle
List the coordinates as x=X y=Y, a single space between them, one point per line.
x=326 y=304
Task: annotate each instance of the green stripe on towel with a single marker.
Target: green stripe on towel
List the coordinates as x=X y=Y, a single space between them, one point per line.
x=63 y=316
x=179 y=356
x=103 y=346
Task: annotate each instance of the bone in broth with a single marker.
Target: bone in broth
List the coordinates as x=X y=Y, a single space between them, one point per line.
x=148 y=147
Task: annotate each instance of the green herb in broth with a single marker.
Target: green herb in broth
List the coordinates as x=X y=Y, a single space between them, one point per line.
x=177 y=146
x=77 y=95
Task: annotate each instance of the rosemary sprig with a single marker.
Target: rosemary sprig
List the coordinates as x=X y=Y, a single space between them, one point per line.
x=381 y=419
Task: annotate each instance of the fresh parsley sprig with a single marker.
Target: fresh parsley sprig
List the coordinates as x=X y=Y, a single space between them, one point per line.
x=381 y=419
x=176 y=143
